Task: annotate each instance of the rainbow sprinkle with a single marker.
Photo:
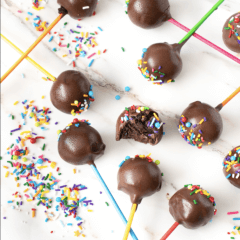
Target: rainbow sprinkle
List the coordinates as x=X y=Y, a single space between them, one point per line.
x=233 y=31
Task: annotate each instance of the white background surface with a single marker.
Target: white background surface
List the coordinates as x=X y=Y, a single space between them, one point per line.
x=207 y=76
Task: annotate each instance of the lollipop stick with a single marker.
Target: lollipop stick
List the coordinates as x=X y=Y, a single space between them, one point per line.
x=206 y=16
x=168 y=233
x=32 y=47
x=29 y=59
x=112 y=200
x=178 y=24
x=130 y=220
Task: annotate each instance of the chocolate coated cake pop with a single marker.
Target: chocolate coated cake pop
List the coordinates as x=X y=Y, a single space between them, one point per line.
x=78 y=8
x=192 y=206
x=141 y=124
x=231 y=33
x=231 y=167
x=148 y=14
x=79 y=143
x=71 y=93
x=161 y=62
x=139 y=177
x=200 y=124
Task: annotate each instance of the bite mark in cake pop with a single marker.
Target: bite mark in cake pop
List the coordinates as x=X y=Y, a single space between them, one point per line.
x=200 y=124
x=139 y=177
x=141 y=124
x=192 y=206
x=231 y=167
x=231 y=33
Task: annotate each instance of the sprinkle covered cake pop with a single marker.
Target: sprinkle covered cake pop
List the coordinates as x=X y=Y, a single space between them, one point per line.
x=192 y=206
x=139 y=177
x=231 y=33
x=78 y=8
x=79 y=143
x=71 y=93
x=141 y=124
x=161 y=63
x=200 y=124
x=148 y=14
x=231 y=167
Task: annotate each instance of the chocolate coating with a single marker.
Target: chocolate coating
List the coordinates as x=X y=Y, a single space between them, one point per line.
x=139 y=178
x=232 y=167
x=232 y=38
x=71 y=86
x=200 y=124
x=161 y=63
x=149 y=14
x=186 y=212
x=135 y=123
x=80 y=144
x=79 y=8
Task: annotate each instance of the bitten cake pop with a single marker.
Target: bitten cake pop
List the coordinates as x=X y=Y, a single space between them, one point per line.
x=78 y=8
x=79 y=144
x=138 y=177
x=231 y=167
x=141 y=124
x=192 y=207
x=71 y=93
x=148 y=14
x=200 y=124
x=231 y=33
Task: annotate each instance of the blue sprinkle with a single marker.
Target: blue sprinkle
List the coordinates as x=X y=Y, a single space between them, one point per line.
x=90 y=93
x=121 y=163
x=117 y=97
x=127 y=89
x=90 y=64
x=100 y=29
x=40 y=161
x=144 y=50
x=46 y=220
x=23 y=75
x=69 y=224
x=58 y=199
x=188 y=124
x=50 y=39
x=127 y=157
x=229 y=175
x=29 y=13
x=77 y=125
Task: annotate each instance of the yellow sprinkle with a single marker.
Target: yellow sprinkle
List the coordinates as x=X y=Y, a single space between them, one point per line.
x=77 y=233
x=90 y=210
x=86 y=35
x=26 y=190
x=15 y=196
x=89 y=45
x=99 y=52
x=80 y=227
x=53 y=164
x=38 y=9
x=18 y=184
x=44 y=78
x=16 y=103
x=26 y=19
x=29 y=200
x=5 y=167
x=7 y=173
x=209 y=143
x=82 y=34
x=43 y=97
x=24 y=132
x=93 y=41
x=83 y=235
x=40 y=167
x=74 y=171
x=155 y=115
x=233 y=233
x=50 y=174
x=65 y=55
x=201 y=121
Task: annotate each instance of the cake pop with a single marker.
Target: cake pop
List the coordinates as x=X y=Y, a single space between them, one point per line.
x=231 y=167
x=71 y=93
x=231 y=33
x=192 y=207
x=161 y=62
x=141 y=124
x=148 y=14
x=78 y=8
x=138 y=177
x=79 y=144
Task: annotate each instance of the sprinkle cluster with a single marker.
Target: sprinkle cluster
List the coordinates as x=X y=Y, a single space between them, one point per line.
x=156 y=73
x=230 y=27
x=194 y=139
x=233 y=159
x=88 y=98
x=236 y=229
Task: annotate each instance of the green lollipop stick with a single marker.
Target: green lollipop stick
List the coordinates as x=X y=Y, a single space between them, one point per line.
x=195 y=28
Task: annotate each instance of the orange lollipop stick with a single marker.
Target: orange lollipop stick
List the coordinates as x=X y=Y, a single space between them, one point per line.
x=227 y=100
x=40 y=38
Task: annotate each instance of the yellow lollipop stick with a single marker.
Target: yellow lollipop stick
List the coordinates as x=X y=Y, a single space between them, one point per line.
x=130 y=220
x=29 y=59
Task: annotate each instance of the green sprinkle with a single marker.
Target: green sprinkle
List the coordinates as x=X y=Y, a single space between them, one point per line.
x=227 y=28
x=92 y=33
x=68 y=45
x=76 y=32
x=46 y=177
x=43 y=147
x=17 y=203
x=59 y=174
x=107 y=203
x=12 y=145
x=193 y=192
x=65 y=23
x=195 y=202
x=157 y=162
x=39 y=203
x=17 y=178
x=126 y=12
x=162 y=174
x=0 y=158
x=123 y=49
x=10 y=163
x=12 y=117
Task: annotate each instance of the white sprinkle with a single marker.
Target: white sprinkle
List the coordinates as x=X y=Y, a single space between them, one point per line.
x=86 y=7
x=23 y=76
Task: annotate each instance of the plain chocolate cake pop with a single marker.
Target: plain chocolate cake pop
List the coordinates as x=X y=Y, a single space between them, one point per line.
x=231 y=33
x=161 y=62
x=192 y=206
x=141 y=124
x=200 y=124
x=231 y=167
x=148 y=14
x=78 y=8
x=139 y=177
x=71 y=93
x=79 y=143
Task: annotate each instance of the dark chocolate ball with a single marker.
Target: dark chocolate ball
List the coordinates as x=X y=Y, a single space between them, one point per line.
x=79 y=143
x=79 y=8
x=139 y=177
x=231 y=33
x=149 y=14
x=71 y=93
x=141 y=124
x=231 y=167
x=161 y=63
x=200 y=124
x=192 y=209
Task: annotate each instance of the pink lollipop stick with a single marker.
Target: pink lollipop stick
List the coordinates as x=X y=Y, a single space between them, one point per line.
x=205 y=41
